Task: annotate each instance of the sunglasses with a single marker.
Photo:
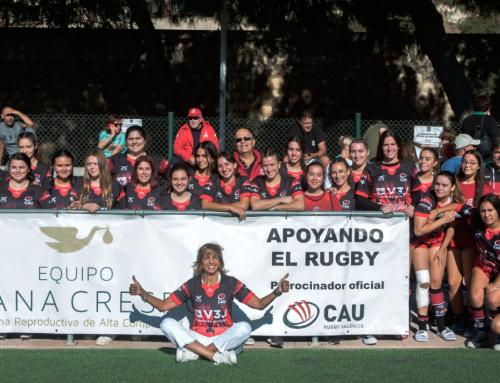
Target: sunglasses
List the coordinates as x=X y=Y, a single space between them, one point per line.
x=241 y=139
x=194 y=118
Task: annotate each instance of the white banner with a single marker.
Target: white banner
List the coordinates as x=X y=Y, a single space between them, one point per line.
x=70 y=273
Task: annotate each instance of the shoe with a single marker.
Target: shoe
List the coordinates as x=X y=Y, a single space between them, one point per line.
x=369 y=340
x=105 y=339
x=496 y=346
x=26 y=336
x=250 y=341
x=478 y=340
x=334 y=340
x=447 y=334
x=183 y=355
x=275 y=341
x=226 y=357
x=3 y=336
x=422 y=336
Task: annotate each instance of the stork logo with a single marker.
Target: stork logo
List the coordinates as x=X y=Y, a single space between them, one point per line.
x=301 y=314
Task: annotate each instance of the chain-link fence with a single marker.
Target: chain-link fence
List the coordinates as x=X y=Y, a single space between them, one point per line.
x=79 y=132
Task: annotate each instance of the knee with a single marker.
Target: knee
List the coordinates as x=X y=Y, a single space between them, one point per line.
x=243 y=328
x=167 y=324
x=454 y=284
x=477 y=297
x=495 y=325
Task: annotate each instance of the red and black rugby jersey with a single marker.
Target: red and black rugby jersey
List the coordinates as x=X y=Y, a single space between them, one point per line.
x=138 y=198
x=217 y=191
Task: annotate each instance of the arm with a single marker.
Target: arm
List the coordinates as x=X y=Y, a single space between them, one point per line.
x=2 y=147
x=364 y=203
x=159 y=304
x=297 y=204
x=26 y=120
x=261 y=303
x=267 y=204
x=236 y=208
x=423 y=226
x=116 y=150
x=104 y=142
x=321 y=150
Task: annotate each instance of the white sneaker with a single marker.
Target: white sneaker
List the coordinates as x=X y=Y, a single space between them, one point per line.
x=447 y=334
x=369 y=340
x=496 y=346
x=250 y=341
x=3 y=336
x=184 y=355
x=226 y=357
x=103 y=340
x=422 y=336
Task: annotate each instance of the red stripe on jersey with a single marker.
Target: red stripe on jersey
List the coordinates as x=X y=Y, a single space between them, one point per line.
x=206 y=197
x=248 y=297
x=421 y=214
x=175 y=299
x=362 y=194
x=298 y=192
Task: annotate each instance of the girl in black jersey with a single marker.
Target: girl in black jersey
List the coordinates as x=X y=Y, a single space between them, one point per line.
x=211 y=292
x=63 y=191
x=386 y=183
x=27 y=143
x=226 y=191
x=294 y=166
x=428 y=163
x=18 y=191
x=143 y=192
x=180 y=198
x=274 y=191
x=343 y=199
x=486 y=271
x=122 y=164
x=99 y=191
x=206 y=166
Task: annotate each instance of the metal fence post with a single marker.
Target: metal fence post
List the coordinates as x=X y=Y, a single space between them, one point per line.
x=357 y=125
x=170 y=135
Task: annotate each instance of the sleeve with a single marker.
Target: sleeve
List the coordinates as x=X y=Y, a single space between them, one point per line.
x=121 y=201
x=320 y=136
x=182 y=294
x=254 y=191
x=116 y=190
x=241 y=292
x=245 y=189
x=364 y=186
x=120 y=140
x=296 y=189
x=103 y=135
x=208 y=192
x=424 y=207
x=181 y=147
x=364 y=203
x=43 y=199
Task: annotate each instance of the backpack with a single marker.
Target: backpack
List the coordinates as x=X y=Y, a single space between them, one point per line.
x=484 y=146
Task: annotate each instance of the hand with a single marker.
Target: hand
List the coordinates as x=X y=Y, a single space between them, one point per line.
x=136 y=288
x=286 y=199
x=75 y=205
x=492 y=287
x=90 y=207
x=332 y=190
x=386 y=209
x=283 y=286
x=432 y=216
x=191 y=161
x=449 y=216
x=239 y=212
x=308 y=157
x=440 y=257
x=409 y=211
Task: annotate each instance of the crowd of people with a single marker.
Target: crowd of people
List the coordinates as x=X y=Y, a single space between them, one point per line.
x=449 y=192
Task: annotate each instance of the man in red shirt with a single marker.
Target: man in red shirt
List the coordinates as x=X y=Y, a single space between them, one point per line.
x=196 y=130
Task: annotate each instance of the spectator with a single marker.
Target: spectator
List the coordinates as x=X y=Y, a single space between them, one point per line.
x=446 y=148
x=226 y=191
x=344 y=143
x=492 y=172
x=190 y=135
x=463 y=143
x=112 y=139
x=10 y=128
x=372 y=136
x=313 y=138
x=481 y=124
x=409 y=153
x=248 y=158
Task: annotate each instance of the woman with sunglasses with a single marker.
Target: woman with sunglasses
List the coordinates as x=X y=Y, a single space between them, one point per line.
x=64 y=189
x=122 y=164
x=226 y=191
x=180 y=198
x=112 y=139
x=143 y=192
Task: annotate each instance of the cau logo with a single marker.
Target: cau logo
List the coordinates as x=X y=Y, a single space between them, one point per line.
x=300 y=314
x=67 y=242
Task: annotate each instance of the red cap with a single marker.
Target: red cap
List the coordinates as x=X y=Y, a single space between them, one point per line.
x=194 y=112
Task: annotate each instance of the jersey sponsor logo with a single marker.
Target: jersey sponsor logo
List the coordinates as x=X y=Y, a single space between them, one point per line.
x=403 y=177
x=391 y=191
x=197 y=298
x=301 y=314
x=124 y=168
x=66 y=240
x=221 y=299
x=130 y=199
x=151 y=201
x=237 y=194
x=53 y=200
x=381 y=178
x=122 y=180
x=211 y=315
x=346 y=204
x=219 y=195
x=28 y=200
x=3 y=199
x=282 y=193
x=496 y=245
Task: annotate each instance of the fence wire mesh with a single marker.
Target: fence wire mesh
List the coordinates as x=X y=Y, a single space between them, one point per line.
x=79 y=132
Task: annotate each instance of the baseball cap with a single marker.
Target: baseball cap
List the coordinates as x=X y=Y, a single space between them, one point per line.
x=194 y=112
x=463 y=140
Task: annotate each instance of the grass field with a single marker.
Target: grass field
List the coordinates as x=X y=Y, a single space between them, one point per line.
x=293 y=366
